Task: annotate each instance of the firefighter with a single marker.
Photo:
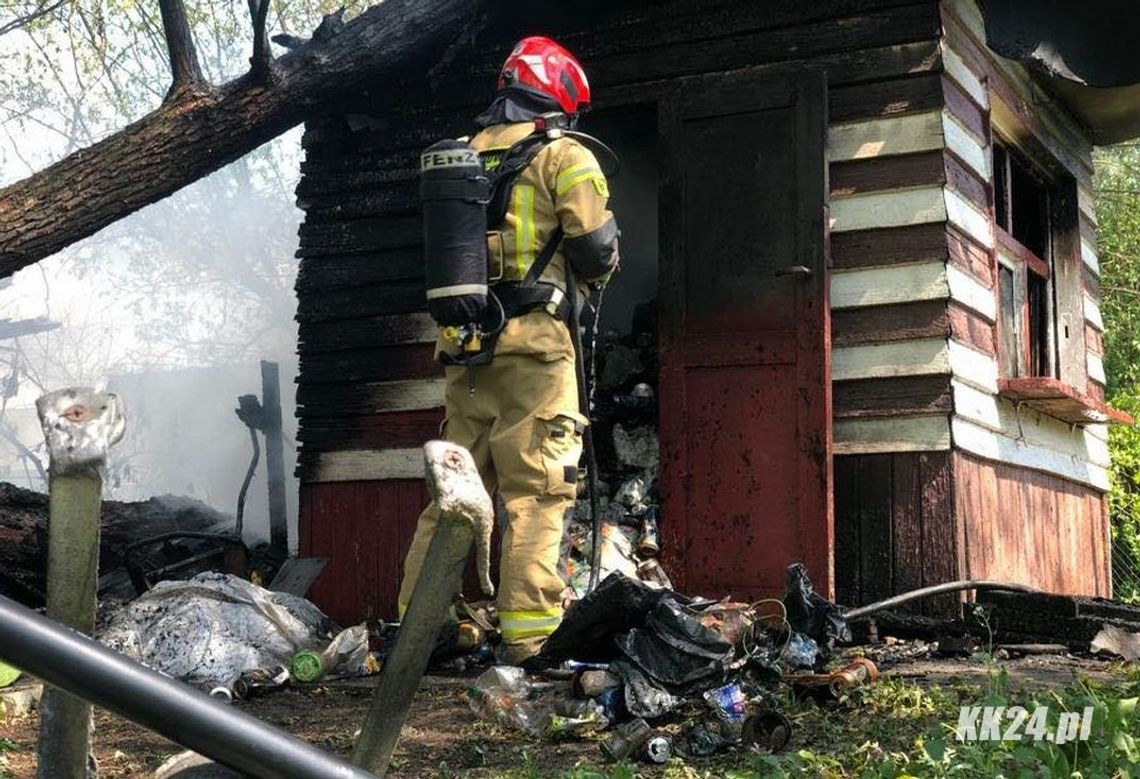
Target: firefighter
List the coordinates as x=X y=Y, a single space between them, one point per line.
x=518 y=411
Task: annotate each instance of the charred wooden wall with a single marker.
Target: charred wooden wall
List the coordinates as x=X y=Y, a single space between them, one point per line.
x=912 y=290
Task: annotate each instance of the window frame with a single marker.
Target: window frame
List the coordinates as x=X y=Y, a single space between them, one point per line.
x=1037 y=349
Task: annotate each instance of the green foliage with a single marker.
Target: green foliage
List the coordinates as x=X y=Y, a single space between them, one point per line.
x=1118 y=216
x=1124 y=498
x=1118 y=251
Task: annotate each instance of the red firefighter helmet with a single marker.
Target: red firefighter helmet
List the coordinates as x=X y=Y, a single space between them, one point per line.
x=540 y=65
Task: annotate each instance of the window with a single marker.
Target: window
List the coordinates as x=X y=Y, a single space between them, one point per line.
x=1022 y=212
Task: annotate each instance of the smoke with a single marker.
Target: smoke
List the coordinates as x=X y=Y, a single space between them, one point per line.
x=172 y=308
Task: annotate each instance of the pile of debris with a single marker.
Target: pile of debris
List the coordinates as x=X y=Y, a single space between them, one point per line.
x=628 y=657
x=624 y=420
x=232 y=638
x=23 y=538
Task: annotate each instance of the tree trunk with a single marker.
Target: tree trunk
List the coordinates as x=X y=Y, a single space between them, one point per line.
x=198 y=130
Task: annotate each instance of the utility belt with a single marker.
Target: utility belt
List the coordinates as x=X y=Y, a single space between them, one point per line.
x=516 y=298
x=519 y=298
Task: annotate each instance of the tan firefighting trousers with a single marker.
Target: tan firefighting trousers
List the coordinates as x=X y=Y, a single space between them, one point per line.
x=524 y=431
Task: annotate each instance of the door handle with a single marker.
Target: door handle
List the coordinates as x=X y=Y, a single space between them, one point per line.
x=802 y=271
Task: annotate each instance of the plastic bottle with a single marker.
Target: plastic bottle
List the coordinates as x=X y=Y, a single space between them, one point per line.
x=499 y=694
x=347 y=649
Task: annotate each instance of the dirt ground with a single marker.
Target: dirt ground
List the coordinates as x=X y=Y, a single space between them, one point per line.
x=443 y=738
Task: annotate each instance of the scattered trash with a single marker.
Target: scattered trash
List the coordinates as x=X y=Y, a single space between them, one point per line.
x=626 y=739
x=346 y=653
x=258 y=681
x=224 y=694
x=658 y=748
x=800 y=652
x=591 y=683
x=649 y=544
x=768 y=731
x=727 y=702
x=211 y=628
x=631 y=653
x=504 y=694
x=836 y=684
x=636 y=447
x=1118 y=641
x=808 y=613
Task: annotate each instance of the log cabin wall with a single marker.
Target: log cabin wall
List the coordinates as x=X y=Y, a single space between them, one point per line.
x=1029 y=487
x=368 y=392
x=975 y=484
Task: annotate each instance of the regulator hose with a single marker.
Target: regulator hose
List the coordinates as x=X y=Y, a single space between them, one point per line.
x=981 y=585
x=588 y=434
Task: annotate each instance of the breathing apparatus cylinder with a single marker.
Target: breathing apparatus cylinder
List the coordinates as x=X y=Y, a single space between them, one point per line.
x=454 y=191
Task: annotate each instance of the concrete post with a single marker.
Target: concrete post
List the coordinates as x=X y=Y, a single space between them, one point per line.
x=465 y=509
x=80 y=425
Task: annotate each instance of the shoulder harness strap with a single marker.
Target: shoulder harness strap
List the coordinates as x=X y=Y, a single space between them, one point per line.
x=502 y=180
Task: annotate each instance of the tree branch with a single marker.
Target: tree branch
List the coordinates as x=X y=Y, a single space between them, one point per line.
x=262 y=59
x=24 y=21
x=184 y=67
x=197 y=132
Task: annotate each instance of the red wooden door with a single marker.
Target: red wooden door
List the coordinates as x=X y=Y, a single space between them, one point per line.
x=744 y=377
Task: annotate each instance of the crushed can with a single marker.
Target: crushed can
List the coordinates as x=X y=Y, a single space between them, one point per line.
x=625 y=740
x=649 y=543
x=258 y=681
x=658 y=748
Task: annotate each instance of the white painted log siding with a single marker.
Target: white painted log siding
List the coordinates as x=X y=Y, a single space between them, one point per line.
x=1088 y=255
x=1092 y=313
x=868 y=139
x=926 y=433
x=368 y=465
x=889 y=284
x=983 y=423
x=891 y=208
x=1095 y=364
x=919 y=357
x=997 y=429
x=966 y=146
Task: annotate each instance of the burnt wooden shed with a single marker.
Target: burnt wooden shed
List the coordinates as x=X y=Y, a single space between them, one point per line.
x=870 y=245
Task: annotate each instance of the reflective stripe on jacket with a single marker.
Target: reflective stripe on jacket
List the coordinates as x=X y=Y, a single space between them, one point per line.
x=563 y=185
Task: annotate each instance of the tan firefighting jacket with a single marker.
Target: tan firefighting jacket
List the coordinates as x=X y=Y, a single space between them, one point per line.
x=563 y=185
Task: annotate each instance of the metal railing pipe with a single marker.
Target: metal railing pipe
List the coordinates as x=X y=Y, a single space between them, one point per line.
x=85 y=668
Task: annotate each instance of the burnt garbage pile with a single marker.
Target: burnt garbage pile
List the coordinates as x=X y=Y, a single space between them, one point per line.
x=624 y=418
x=23 y=538
x=658 y=673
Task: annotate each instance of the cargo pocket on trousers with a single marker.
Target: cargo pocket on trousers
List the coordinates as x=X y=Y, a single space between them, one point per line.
x=561 y=448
